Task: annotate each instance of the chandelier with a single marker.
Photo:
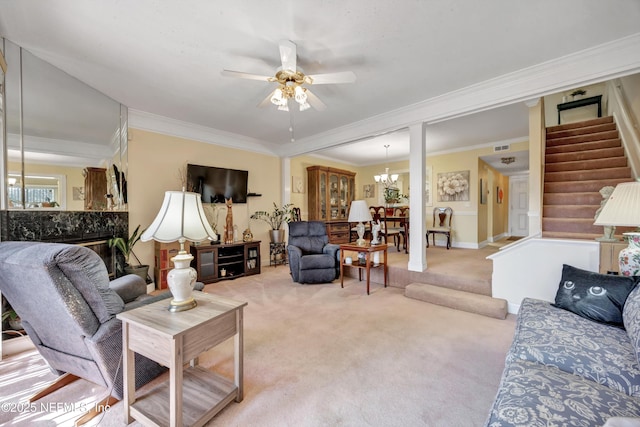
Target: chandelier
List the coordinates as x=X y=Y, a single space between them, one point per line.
x=290 y=88
x=384 y=178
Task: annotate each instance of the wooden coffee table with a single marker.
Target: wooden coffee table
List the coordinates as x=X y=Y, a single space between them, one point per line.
x=368 y=250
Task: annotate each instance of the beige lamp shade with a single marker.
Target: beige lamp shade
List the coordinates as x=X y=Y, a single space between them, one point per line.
x=359 y=212
x=623 y=206
x=180 y=217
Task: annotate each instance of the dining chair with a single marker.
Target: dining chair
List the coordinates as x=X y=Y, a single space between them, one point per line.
x=401 y=216
x=441 y=224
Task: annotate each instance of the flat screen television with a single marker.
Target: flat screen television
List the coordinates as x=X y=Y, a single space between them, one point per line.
x=217 y=184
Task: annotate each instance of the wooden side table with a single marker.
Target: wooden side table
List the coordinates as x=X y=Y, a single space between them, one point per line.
x=173 y=339
x=368 y=250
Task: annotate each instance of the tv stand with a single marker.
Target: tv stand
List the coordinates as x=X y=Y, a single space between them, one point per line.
x=226 y=261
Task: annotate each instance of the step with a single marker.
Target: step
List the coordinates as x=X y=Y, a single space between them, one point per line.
x=569 y=211
x=574 y=156
x=584 y=236
x=583 y=130
x=584 y=146
x=581 y=186
x=572 y=225
x=565 y=235
x=590 y=122
x=578 y=198
x=585 y=175
x=459 y=300
x=609 y=162
x=598 y=136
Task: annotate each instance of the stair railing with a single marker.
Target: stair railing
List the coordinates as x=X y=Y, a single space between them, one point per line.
x=618 y=107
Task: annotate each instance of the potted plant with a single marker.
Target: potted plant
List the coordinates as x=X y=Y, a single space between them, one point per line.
x=125 y=246
x=275 y=219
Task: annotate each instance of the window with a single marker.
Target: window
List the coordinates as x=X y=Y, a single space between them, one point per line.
x=41 y=191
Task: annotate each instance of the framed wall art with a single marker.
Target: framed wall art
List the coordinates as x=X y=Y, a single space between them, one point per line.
x=453 y=186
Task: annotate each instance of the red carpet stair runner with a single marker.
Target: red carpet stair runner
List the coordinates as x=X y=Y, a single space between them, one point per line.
x=580 y=159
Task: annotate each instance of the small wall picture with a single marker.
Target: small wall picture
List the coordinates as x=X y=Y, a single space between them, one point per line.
x=297 y=184
x=499 y=195
x=78 y=193
x=483 y=192
x=368 y=191
x=453 y=186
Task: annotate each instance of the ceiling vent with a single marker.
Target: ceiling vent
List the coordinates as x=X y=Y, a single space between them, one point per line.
x=501 y=148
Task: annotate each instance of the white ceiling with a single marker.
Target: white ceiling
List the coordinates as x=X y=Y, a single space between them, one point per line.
x=414 y=60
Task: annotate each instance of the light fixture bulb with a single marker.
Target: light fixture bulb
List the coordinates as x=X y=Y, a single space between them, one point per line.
x=394 y=177
x=384 y=176
x=277 y=98
x=377 y=178
x=305 y=106
x=283 y=107
x=300 y=96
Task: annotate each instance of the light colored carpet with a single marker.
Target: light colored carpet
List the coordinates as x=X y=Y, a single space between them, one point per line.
x=319 y=355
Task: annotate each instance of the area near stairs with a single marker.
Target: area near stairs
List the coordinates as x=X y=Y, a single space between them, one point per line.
x=580 y=159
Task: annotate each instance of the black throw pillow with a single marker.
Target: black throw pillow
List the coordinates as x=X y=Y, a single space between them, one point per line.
x=595 y=296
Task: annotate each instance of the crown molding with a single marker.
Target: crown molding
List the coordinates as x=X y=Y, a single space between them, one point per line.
x=178 y=128
x=596 y=64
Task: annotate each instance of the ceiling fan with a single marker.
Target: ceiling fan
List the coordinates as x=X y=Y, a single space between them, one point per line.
x=292 y=80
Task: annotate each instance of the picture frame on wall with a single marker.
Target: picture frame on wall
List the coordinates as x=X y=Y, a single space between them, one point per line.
x=483 y=193
x=453 y=186
x=368 y=191
x=297 y=184
x=499 y=195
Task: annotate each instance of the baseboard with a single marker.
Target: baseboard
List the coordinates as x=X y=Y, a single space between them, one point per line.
x=16 y=345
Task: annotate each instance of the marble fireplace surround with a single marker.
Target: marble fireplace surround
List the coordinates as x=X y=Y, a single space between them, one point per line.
x=91 y=229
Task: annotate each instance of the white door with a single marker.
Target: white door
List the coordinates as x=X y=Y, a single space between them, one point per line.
x=519 y=205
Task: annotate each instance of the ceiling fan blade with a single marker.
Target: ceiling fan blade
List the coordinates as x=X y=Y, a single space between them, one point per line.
x=241 y=75
x=267 y=101
x=329 y=78
x=314 y=101
x=288 y=55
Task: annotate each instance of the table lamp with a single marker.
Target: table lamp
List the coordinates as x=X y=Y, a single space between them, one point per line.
x=181 y=218
x=359 y=212
x=623 y=209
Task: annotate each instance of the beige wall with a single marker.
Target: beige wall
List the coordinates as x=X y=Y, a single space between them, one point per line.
x=155 y=161
x=576 y=114
x=631 y=87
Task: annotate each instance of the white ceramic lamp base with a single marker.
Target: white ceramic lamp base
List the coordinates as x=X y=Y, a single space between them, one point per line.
x=181 y=281
x=629 y=258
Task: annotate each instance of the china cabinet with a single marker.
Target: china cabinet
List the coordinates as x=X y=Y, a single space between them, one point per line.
x=331 y=192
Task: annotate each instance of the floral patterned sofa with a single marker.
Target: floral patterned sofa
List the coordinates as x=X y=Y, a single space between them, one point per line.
x=564 y=369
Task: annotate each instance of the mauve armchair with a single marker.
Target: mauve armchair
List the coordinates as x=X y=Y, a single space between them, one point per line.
x=68 y=307
x=312 y=259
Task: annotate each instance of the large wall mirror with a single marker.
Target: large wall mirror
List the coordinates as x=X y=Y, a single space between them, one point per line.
x=66 y=143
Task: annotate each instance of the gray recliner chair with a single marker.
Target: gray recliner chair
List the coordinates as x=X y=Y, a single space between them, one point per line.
x=68 y=307
x=312 y=259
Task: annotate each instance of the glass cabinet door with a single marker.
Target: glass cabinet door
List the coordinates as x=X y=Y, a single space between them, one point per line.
x=323 y=196
x=344 y=196
x=334 y=195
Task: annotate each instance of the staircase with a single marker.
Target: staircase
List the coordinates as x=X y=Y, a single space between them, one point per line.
x=580 y=159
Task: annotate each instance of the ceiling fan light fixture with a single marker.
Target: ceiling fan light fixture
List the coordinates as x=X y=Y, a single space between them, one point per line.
x=277 y=97
x=283 y=107
x=304 y=106
x=300 y=95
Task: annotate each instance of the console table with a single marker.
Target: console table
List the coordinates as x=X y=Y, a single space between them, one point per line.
x=173 y=339
x=581 y=103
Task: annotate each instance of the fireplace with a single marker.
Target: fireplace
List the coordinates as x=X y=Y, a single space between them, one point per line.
x=90 y=229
